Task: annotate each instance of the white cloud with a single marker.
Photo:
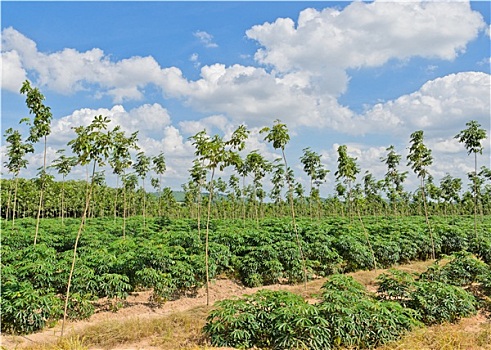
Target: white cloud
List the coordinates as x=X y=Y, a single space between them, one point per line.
x=146 y=119
x=443 y=104
x=366 y=35
x=205 y=38
x=68 y=71
x=195 y=59
x=13 y=75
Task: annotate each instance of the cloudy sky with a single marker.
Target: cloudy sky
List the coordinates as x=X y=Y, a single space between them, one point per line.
x=365 y=75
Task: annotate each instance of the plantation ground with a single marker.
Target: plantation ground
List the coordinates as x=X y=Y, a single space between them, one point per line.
x=177 y=324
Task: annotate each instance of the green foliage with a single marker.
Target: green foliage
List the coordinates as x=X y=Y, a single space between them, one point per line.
x=348 y=316
x=438 y=302
x=168 y=257
x=26 y=309
x=436 y=294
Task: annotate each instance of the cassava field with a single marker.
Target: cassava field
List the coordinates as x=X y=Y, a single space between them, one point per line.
x=369 y=266
x=148 y=287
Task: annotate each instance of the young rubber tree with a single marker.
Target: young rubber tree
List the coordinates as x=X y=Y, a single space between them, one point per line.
x=159 y=167
x=120 y=161
x=278 y=181
x=312 y=166
x=419 y=159
x=393 y=178
x=142 y=167
x=198 y=178
x=16 y=152
x=63 y=165
x=449 y=191
x=472 y=138
x=216 y=153
x=347 y=170
x=279 y=137
x=40 y=129
x=93 y=144
x=257 y=166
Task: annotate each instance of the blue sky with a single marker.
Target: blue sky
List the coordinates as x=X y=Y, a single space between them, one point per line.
x=361 y=74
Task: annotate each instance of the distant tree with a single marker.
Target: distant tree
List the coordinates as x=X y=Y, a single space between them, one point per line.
x=159 y=167
x=63 y=165
x=347 y=170
x=472 y=138
x=258 y=166
x=393 y=178
x=449 y=190
x=16 y=152
x=419 y=158
x=93 y=143
x=40 y=128
x=142 y=167
x=313 y=168
x=278 y=135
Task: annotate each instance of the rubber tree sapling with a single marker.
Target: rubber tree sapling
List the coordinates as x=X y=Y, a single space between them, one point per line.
x=93 y=144
x=216 y=153
x=472 y=138
x=63 y=165
x=159 y=167
x=142 y=167
x=312 y=166
x=16 y=152
x=40 y=128
x=419 y=158
x=279 y=137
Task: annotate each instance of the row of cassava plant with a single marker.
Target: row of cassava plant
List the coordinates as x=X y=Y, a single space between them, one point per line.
x=168 y=256
x=348 y=316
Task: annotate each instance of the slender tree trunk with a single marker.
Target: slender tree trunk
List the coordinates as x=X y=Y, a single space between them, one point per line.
x=15 y=200
x=124 y=212
x=475 y=195
x=116 y=198
x=7 y=214
x=427 y=219
x=41 y=193
x=294 y=223
x=82 y=222
x=210 y=198
x=368 y=240
x=310 y=200
x=243 y=202
x=144 y=199
x=62 y=200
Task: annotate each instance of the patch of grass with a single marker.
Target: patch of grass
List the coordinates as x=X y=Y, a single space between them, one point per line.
x=66 y=343
x=174 y=331
x=469 y=334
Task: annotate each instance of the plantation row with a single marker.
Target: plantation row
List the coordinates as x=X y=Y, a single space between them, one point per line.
x=347 y=315
x=67 y=199
x=169 y=257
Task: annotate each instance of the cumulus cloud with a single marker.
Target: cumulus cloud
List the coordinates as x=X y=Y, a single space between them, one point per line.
x=68 y=71
x=447 y=102
x=146 y=119
x=13 y=74
x=205 y=38
x=367 y=35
